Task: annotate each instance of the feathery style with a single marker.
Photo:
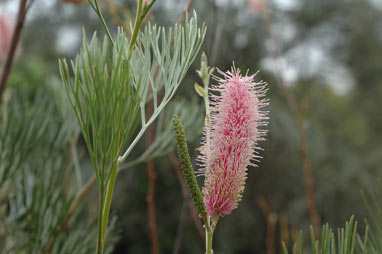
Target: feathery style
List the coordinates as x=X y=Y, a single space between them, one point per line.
x=230 y=139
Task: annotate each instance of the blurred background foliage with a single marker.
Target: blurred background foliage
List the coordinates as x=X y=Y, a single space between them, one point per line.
x=326 y=54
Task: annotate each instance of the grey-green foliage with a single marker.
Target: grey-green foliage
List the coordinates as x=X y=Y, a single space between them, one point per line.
x=104 y=100
x=16 y=141
x=160 y=62
x=109 y=93
x=39 y=188
x=344 y=242
x=189 y=113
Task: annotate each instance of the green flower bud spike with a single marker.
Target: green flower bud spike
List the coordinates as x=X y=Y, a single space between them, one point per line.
x=187 y=170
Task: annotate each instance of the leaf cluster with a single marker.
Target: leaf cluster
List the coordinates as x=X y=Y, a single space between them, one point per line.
x=110 y=95
x=105 y=103
x=160 y=62
x=373 y=245
x=347 y=241
x=38 y=189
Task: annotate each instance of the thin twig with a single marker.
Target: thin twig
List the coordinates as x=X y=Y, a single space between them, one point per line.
x=12 y=49
x=151 y=169
x=80 y=195
x=218 y=33
x=114 y=11
x=271 y=218
x=191 y=208
x=308 y=180
x=188 y=7
x=151 y=187
x=68 y=169
x=299 y=118
x=284 y=230
x=295 y=237
x=179 y=231
x=151 y=178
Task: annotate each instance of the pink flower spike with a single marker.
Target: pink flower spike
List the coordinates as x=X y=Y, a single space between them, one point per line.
x=234 y=132
x=6 y=31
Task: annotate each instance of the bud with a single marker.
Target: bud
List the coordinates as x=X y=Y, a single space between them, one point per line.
x=204 y=72
x=186 y=166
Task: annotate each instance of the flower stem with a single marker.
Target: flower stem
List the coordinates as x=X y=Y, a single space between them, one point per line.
x=137 y=25
x=209 y=236
x=100 y=242
x=95 y=6
x=142 y=11
x=107 y=201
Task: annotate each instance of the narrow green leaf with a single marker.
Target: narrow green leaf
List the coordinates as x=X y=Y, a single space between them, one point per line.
x=285 y=250
x=199 y=90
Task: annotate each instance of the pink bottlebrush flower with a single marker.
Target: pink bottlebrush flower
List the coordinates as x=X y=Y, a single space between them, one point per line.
x=257 y=6
x=233 y=134
x=6 y=31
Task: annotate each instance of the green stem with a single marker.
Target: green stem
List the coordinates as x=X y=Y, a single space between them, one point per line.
x=205 y=97
x=100 y=243
x=209 y=236
x=96 y=8
x=207 y=120
x=107 y=201
x=141 y=14
x=207 y=105
x=137 y=25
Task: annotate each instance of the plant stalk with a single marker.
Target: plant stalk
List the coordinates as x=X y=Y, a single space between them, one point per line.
x=96 y=8
x=137 y=25
x=100 y=242
x=13 y=46
x=107 y=203
x=209 y=236
x=151 y=187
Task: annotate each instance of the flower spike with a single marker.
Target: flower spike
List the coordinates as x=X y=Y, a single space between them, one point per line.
x=234 y=132
x=187 y=170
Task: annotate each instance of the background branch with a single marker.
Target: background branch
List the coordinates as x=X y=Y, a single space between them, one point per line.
x=179 y=231
x=299 y=118
x=13 y=46
x=151 y=187
x=191 y=208
x=218 y=33
x=151 y=169
x=271 y=219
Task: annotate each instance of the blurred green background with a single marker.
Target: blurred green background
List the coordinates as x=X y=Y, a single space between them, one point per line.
x=323 y=63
